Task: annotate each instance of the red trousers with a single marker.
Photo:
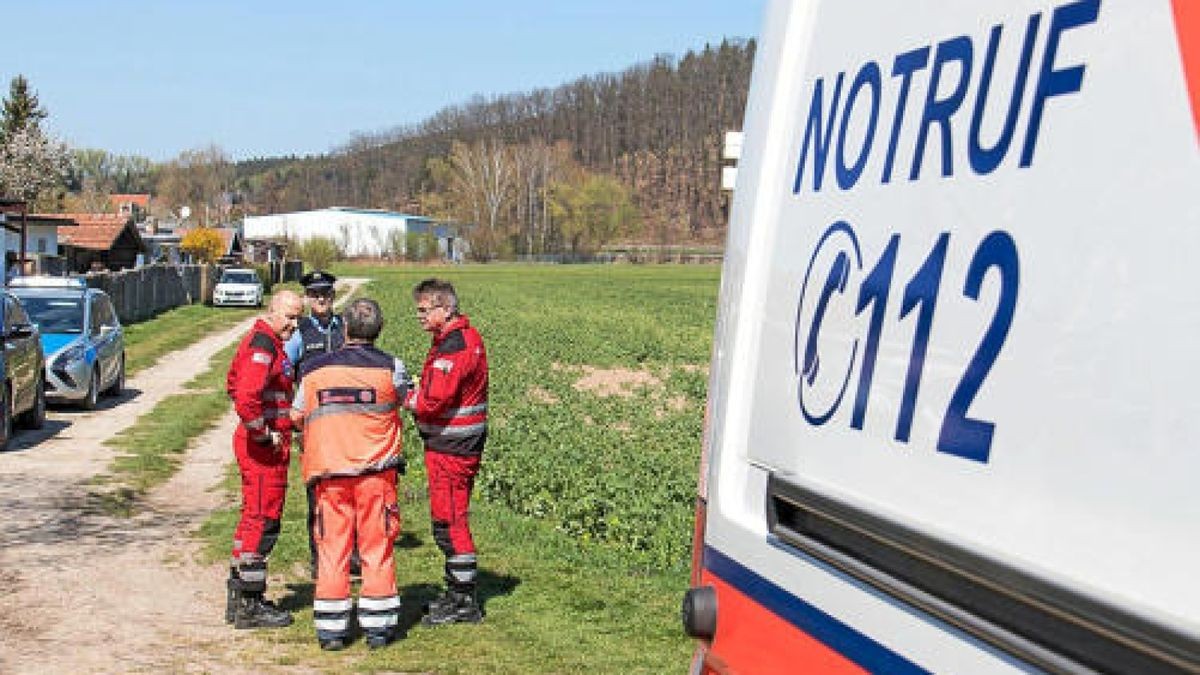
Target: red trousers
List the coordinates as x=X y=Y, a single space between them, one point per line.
x=264 y=472
x=451 y=478
x=365 y=505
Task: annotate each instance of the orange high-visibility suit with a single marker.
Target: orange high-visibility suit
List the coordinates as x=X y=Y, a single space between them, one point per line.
x=349 y=402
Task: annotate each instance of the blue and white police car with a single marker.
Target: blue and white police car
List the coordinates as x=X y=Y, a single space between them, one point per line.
x=82 y=338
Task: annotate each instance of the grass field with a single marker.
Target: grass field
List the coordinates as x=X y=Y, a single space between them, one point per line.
x=584 y=504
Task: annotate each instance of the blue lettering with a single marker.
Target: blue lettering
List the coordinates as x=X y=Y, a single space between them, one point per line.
x=905 y=65
x=820 y=144
x=985 y=160
x=867 y=75
x=1053 y=82
x=954 y=49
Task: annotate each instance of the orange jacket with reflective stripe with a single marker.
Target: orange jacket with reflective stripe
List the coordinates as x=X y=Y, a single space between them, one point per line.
x=351 y=414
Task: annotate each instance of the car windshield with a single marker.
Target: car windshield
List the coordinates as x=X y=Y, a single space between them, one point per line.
x=55 y=314
x=239 y=278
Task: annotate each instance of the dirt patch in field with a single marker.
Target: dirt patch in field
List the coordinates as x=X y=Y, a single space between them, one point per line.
x=623 y=382
x=542 y=395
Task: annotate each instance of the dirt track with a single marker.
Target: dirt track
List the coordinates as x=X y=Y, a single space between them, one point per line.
x=84 y=591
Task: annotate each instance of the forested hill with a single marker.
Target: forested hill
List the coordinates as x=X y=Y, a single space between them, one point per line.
x=528 y=166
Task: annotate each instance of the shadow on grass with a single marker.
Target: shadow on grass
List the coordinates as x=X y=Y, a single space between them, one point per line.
x=413 y=599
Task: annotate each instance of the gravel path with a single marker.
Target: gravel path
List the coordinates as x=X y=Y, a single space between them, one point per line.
x=84 y=591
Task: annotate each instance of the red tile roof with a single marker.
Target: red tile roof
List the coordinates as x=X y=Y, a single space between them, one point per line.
x=95 y=231
x=141 y=200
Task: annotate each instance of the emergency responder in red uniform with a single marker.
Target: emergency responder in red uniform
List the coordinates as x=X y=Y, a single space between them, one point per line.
x=260 y=384
x=348 y=405
x=450 y=407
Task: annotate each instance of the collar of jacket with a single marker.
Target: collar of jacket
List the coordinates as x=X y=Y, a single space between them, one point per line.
x=460 y=321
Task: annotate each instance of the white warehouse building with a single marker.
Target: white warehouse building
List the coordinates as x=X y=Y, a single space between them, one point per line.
x=360 y=233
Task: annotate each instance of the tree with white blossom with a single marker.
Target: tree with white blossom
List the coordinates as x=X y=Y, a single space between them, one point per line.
x=31 y=163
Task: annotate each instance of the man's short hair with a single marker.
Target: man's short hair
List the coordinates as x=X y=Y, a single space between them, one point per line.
x=441 y=291
x=364 y=319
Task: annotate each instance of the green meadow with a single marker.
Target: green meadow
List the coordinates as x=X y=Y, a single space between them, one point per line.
x=583 y=508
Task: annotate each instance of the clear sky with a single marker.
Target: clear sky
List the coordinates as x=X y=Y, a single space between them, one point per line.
x=267 y=77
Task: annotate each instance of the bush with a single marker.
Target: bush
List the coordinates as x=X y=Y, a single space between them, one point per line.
x=319 y=252
x=263 y=270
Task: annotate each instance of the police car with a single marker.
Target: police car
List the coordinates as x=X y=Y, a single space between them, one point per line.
x=82 y=338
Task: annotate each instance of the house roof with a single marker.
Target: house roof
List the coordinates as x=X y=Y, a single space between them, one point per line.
x=142 y=200
x=95 y=231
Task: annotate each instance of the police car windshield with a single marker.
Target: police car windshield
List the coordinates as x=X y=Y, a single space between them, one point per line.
x=55 y=314
x=239 y=278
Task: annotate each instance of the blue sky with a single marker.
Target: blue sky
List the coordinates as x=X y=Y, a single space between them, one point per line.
x=265 y=78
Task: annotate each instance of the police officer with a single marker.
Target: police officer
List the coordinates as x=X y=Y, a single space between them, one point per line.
x=348 y=404
x=320 y=332
x=260 y=383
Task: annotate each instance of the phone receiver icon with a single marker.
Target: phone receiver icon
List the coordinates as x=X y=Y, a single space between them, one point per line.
x=839 y=274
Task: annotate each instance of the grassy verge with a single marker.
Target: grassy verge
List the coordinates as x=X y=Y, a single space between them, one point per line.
x=151 y=450
x=146 y=342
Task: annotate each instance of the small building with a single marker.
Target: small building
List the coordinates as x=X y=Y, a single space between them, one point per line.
x=99 y=240
x=359 y=233
x=136 y=206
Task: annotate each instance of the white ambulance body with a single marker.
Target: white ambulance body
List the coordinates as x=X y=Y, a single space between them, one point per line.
x=954 y=410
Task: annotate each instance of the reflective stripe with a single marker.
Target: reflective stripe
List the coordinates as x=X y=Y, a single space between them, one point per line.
x=350 y=409
x=452 y=431
x=332 y=605
x=461 y=558
x=462 y=576
x=377 y=621
x=332 y=625
x=378 y=604
x=252 y=575
x=256 y=423
x=275 y=413
x=465 y=412
x=274 y=395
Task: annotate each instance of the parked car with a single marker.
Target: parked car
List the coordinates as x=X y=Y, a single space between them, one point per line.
x=82 y=338
x=238 y=286
x=23 y=397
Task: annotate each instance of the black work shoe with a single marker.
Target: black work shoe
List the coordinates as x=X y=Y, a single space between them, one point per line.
x=332 y=644
x=460 y=608
x=378 y=640
x=232 y=593
x=446 y=599
x=253 y=612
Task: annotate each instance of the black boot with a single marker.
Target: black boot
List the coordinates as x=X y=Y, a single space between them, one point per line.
x=254 y=612
x=233 y=592
x=460 y=607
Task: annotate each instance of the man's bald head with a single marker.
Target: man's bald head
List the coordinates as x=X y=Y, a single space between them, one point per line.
x=284 y=312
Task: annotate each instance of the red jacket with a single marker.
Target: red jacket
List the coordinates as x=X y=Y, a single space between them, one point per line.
x=450 y=405
x=260 y=383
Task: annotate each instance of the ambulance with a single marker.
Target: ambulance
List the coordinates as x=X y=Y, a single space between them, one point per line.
x=954 y=408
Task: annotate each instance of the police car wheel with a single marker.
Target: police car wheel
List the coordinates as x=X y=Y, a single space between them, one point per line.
x=92 y=397
x=6 y=425
x=118 y=386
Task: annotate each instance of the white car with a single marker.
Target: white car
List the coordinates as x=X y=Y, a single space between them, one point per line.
x=238 y=287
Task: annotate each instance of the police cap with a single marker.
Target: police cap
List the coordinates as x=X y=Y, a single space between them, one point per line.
x=318 y=280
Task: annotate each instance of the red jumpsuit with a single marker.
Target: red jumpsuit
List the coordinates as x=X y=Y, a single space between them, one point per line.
x=450 y=408
x=260 y=384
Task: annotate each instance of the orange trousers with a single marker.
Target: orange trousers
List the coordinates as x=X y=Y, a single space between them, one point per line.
x=365 y=505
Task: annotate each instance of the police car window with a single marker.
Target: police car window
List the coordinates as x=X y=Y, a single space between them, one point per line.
x=94 y=315
x=55 y=314
x=107 y=315
x=14 y=312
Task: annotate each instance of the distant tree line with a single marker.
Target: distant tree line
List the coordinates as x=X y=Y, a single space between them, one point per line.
x=632 y=157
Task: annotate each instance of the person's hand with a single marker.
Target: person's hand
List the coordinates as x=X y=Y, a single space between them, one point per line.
x=277 y=440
